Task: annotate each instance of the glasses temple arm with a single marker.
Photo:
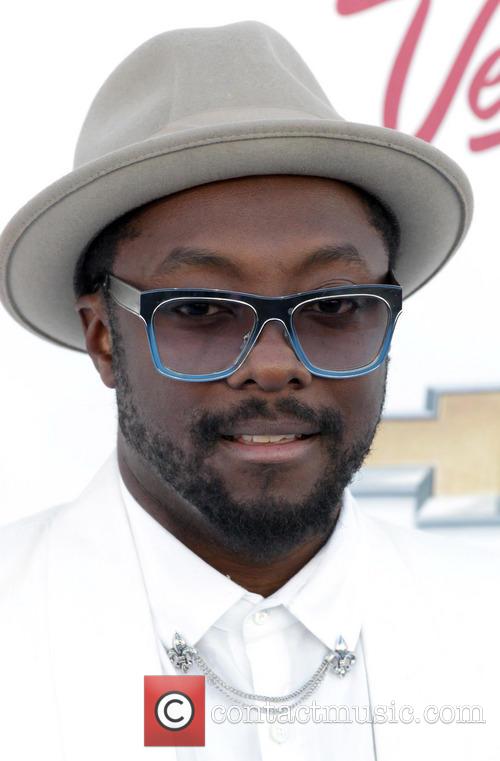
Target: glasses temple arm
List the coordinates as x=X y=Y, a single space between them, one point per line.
x=124 y=294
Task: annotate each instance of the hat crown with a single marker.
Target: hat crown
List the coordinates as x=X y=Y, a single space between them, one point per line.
x=191 y=78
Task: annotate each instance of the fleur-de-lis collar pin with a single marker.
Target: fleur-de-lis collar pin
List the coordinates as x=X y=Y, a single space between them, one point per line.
x=342 y=659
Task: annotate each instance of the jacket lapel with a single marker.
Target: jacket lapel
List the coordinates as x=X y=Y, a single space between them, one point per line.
x=395 y=643
x=413 y=661
x=100 y=627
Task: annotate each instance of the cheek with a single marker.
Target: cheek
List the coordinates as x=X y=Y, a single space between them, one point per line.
x=163 y=404
x=360 y=401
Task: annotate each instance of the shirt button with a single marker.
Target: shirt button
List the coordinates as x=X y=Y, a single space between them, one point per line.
x=279 y=733
x=260 y=617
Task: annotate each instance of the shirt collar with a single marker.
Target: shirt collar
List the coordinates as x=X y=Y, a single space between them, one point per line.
x=189 y=596
x=329 y=603
x=185 y=593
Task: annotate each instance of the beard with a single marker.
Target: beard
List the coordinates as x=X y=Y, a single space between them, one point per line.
x=265 y=527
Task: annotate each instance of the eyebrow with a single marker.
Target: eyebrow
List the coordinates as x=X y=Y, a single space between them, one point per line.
x=195 y=257
x=345 y=252
x=183 y=256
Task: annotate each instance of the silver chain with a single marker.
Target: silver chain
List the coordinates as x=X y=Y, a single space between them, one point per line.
x=247 y=698
x=340 y=661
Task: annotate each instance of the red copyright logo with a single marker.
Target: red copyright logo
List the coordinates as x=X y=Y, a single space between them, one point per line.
x=174 y=710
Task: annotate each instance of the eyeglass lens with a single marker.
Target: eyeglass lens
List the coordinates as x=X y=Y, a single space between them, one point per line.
x=343 y=333
x=199 y=336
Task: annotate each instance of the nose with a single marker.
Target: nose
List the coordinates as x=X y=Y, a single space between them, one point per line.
x=272 y=363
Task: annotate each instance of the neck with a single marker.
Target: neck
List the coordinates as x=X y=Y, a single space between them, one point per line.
x=185 y=523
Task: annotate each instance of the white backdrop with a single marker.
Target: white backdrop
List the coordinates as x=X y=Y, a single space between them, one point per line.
x=58 y=421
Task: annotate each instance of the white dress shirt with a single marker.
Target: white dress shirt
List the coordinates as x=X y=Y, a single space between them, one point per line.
x=268 y=645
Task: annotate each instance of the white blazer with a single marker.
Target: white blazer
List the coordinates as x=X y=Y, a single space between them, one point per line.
x=76 y=637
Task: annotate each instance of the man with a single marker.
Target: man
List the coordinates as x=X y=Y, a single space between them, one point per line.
x=232 y=255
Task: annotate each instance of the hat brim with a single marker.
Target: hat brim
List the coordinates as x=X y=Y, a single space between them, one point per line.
x=429 y=194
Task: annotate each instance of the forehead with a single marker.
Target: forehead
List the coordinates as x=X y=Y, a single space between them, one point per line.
x=254 y=228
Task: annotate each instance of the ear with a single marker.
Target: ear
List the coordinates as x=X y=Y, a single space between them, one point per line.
x=97 y=332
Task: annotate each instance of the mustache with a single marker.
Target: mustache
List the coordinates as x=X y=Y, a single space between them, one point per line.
x=207 y=426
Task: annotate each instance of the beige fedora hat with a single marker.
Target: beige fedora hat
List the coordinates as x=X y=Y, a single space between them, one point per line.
x=194 y=106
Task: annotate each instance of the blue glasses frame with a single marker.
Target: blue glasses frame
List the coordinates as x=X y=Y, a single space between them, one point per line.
x=266 y=309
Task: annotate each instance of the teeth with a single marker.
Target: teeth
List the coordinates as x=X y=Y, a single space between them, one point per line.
x=268 y=439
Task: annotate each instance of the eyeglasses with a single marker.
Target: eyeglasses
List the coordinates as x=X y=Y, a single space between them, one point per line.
x=205 y=334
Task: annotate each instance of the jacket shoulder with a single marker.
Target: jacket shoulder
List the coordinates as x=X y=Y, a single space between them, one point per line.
x=426 y=550
x=453 y=574
x=25 y=538
x=28 y=536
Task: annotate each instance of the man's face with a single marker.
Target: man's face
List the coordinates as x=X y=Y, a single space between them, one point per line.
x=172 y=433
